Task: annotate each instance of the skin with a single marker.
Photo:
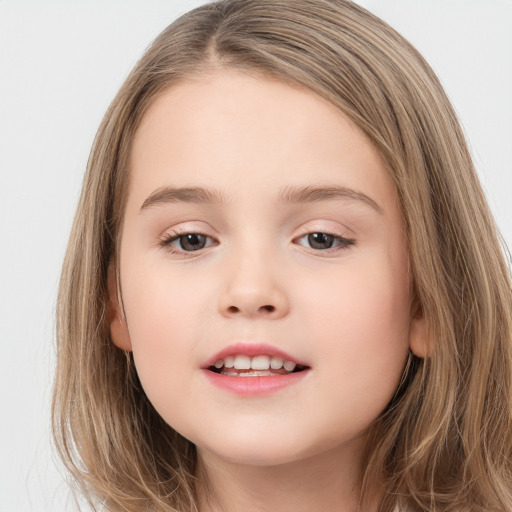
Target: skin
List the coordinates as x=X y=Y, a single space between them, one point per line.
x=344 y=311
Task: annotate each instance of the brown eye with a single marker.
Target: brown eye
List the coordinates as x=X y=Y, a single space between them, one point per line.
x=325 y=241
x=187 y=242
x=320 y=240
x=192 y=242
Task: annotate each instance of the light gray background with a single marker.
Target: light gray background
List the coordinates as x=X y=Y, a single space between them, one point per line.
x=61 y=63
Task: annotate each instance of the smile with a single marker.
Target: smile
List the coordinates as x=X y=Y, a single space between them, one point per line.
x=257 y=366
x=253 y=369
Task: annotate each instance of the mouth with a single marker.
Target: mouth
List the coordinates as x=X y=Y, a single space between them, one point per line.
x=253 y=360
x=242 y=365
x=254 y=370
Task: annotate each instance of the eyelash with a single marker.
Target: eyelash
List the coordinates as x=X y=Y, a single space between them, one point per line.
x=169 y=238
x=341 y=243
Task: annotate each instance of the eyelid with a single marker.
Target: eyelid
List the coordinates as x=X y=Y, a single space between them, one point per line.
x=187 y=227
x=171 y=235
x=325 y=226
x=344 y=242
x=334 y=229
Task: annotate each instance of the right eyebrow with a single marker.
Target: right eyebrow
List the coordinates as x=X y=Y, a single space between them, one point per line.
x=165 y=195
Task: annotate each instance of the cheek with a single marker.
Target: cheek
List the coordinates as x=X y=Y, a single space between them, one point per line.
x=361 y=325
x=164 y=317
x=360 y=300
x=161 y=305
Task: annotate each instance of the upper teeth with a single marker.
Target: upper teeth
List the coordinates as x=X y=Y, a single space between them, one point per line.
x=255 y=363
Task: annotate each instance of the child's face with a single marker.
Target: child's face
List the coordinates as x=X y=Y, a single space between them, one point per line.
x=301 y=248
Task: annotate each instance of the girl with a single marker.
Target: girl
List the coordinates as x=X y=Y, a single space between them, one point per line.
x=284 y=289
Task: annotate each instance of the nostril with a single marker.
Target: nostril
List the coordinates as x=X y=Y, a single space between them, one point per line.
x=262 y=309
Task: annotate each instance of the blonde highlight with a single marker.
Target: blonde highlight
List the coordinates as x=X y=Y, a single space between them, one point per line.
x=444 y=443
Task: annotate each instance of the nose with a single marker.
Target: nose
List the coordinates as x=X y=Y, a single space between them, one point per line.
x=253 y=289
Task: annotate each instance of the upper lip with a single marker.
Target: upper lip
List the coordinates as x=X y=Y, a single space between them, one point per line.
x=251 y=349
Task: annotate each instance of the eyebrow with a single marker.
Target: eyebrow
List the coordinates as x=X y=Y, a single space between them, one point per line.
x=311 y=194
x=166 y=195
x=289 y=195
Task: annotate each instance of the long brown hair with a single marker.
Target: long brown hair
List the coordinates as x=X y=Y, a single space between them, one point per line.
x=445 y=441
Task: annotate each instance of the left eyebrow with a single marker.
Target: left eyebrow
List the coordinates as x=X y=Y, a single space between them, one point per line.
x=312 y=194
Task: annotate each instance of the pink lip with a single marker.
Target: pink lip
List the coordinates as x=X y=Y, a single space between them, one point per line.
x=252 y=386
x=250 y=349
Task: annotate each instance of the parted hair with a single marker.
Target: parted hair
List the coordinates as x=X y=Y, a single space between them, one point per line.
x=444 y=443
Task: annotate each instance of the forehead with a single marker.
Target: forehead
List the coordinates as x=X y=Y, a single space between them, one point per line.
x=247 y=135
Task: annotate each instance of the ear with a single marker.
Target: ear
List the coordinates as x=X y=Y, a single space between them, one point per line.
x=115 y=314
x=418 y=334
x=417 y=338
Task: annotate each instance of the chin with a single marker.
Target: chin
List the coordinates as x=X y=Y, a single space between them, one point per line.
x=258 y=456
x=253 y=448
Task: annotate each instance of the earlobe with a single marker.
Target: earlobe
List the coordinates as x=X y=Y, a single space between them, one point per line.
x=117 y=321
x=418 y=336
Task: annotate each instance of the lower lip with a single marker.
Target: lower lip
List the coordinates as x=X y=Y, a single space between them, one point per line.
x=253 y=386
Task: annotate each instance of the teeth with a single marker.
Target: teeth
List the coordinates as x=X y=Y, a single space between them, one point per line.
x=260 y=363
x=242 y=362
x=288 y=365
x=276 y=363
x=258 y=373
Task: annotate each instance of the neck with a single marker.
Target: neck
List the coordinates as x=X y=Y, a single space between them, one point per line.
x=329 y=482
